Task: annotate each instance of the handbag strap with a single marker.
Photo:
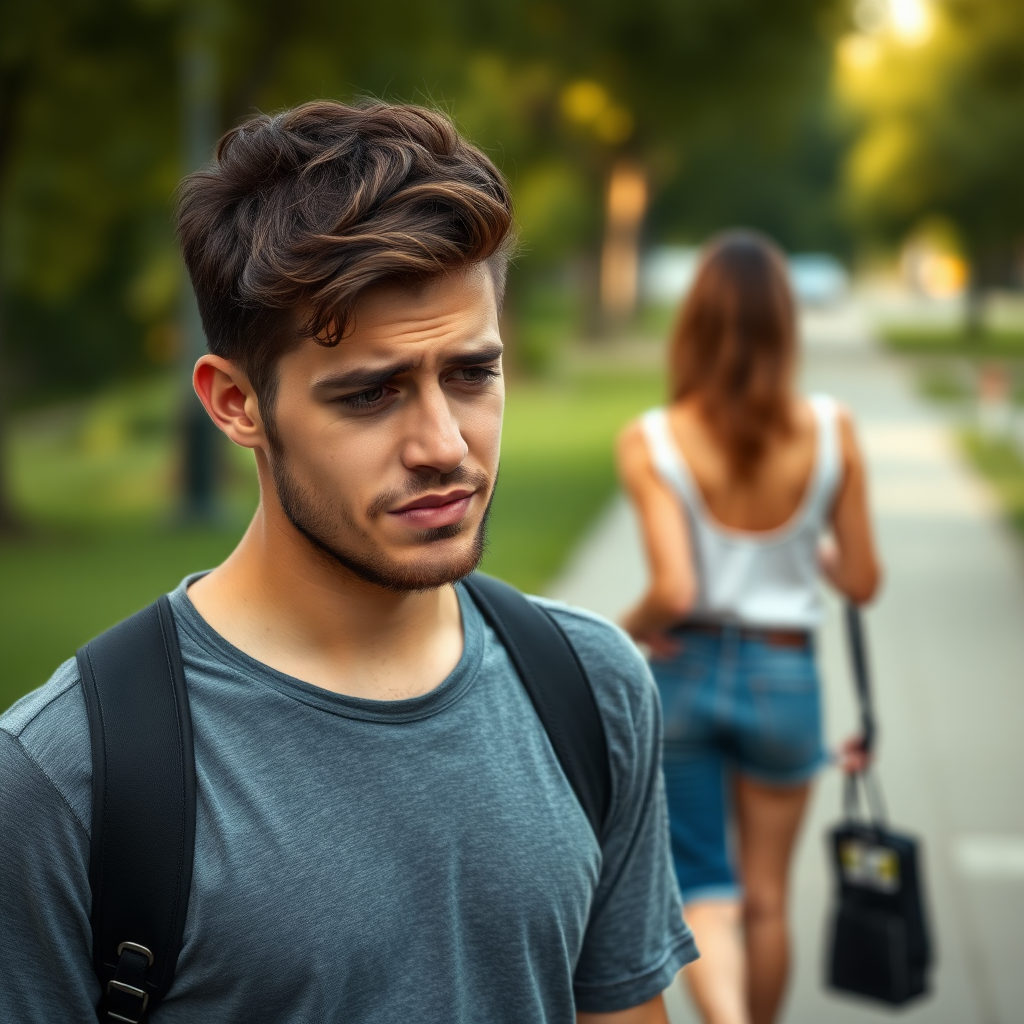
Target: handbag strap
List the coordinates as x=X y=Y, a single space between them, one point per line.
x=557 y=684
x=866 y=780
x=861 y=676
x=875 y=805
x=143 y=808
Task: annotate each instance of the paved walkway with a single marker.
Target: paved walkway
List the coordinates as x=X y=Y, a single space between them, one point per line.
x=947 y=646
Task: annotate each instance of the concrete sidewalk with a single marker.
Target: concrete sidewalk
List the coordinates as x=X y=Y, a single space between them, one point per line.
x=947 y=647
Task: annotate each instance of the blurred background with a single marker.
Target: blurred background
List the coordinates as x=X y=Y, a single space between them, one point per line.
x=880 y=142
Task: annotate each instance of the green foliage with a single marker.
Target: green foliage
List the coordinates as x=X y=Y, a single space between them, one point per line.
x=942 y=129
x=942 y=383
x=912 y=340
x=88 y=157
x=1001 y=464
x=543 y=324
x=778 y=175
x=90 y=127
x=114 y=455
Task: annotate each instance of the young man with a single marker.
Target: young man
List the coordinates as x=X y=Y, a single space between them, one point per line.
x=383 y=830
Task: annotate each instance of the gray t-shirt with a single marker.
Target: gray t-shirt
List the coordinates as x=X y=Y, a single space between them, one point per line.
x=360 y=860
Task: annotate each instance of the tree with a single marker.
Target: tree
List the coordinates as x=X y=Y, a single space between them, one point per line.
x=942 y=132
x=781 y=176
x=557 y=91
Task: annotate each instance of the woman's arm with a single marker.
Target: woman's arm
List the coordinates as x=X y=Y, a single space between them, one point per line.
x=672 y=584
x=850 y=562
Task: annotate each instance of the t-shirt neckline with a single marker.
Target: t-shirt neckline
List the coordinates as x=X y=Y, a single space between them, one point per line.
x=409 y=709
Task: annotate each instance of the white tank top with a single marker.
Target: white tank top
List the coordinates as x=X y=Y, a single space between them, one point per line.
x=757 y=578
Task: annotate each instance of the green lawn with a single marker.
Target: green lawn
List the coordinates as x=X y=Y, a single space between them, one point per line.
x=1001 y=464
x=557 y=468
x=953 y=341
x=97 y=484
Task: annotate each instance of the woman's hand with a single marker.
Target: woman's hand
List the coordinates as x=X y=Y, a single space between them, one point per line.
x=853 y=758
x=653 y=635
x=828 y=560
x=662 y=646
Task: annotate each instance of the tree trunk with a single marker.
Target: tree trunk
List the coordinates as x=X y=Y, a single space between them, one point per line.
x=12 y=91
x=200 y=129
x=974 y=311
x=10 y=522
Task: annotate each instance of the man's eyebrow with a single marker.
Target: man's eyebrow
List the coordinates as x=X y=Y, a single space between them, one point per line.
x=367 y=378
x=483 y=355
x=363 y=378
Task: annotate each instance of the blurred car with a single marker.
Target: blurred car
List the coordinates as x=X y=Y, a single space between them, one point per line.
x=666 y=273
x=818 y=279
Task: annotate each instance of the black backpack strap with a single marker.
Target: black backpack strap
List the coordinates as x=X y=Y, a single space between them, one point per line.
x=558 y=686
x=143 y=808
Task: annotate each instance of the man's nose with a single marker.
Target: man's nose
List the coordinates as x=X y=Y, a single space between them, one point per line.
x=434 y=440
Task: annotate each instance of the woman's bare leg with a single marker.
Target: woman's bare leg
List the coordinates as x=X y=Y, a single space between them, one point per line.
x=768 y=821
x=716 y=981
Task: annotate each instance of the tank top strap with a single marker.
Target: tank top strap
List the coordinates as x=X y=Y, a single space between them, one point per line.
x=665 y=454
x=828 y=467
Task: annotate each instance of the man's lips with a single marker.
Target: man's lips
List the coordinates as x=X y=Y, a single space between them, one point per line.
x=436 y=500
x=433 y=510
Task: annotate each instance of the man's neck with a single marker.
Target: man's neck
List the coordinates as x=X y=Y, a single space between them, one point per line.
x=288 y=605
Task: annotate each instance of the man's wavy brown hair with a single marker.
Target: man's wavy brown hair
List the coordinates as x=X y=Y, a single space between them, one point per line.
x=303 y=212
x=734 y=345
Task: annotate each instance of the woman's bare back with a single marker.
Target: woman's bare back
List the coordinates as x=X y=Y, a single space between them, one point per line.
x=774 y=493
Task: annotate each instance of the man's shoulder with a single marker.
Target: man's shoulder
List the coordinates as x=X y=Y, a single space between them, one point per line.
x=618 y=674
x=50 y=725
x=45 y=702
x=595 y=637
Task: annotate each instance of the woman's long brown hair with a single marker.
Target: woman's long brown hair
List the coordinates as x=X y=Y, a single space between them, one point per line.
x=734 y=345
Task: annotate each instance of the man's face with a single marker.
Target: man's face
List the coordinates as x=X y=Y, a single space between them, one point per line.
x=386 y=449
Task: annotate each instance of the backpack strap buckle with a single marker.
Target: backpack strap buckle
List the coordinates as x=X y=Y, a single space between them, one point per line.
x=127 y=999
x=141 y=851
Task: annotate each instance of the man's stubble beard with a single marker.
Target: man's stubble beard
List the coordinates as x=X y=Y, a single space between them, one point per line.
x=318 y=521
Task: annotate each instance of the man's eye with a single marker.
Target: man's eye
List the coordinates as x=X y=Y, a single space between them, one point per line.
x=474 y=374
x=366 y=399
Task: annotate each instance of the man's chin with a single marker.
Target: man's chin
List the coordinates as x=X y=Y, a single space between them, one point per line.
x=439 y=534
x=436 y=558
x=426 y=569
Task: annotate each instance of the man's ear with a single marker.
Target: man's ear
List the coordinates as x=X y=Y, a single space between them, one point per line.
x=230 y=400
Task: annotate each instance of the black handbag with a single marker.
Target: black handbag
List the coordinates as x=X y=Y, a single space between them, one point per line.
x=880 y=946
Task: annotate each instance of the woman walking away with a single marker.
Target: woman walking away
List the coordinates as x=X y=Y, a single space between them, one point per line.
x=737 y=483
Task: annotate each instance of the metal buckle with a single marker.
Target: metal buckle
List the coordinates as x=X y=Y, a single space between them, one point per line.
x=131 y=990
x=136 y=948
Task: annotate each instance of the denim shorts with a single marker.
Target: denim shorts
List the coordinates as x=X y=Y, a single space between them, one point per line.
x=731 y=705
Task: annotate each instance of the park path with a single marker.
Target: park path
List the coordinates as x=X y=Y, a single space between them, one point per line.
x=946 y=639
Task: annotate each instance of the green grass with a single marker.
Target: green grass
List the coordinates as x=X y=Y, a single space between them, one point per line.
x=942 y=383
x=546 y=320
x=932 y=341
x=57 y=591
x=1001 y=464
x=656 y=320
x=96 y=482
x=557 y=468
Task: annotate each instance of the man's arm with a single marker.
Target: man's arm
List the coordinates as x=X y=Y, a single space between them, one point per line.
x=636 y=940
x=652 y=1012
x=45 y=937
